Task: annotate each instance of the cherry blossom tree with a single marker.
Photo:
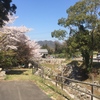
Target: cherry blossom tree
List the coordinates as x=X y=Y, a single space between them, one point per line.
x=13 y=34
x=14 y=38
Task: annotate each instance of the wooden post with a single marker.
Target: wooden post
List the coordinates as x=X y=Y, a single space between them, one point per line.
x=91 y=92
x=42 y=73
x=33 y=70
x=62 y=80
x=62 y=83
x=56 y=81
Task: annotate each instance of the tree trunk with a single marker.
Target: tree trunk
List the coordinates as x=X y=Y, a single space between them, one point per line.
x=87 y=61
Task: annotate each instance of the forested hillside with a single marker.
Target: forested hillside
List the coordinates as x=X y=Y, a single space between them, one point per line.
x=51 y=44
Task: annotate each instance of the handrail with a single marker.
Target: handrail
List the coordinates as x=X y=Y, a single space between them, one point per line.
x=79 y=90
x=76 y=81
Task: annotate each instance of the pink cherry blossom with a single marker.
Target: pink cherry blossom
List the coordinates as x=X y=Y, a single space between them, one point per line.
x=13 y=34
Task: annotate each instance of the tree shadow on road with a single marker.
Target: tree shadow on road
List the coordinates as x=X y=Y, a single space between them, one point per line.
x=15 y=72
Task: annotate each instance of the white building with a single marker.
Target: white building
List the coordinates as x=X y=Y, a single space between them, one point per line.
x=43 y=52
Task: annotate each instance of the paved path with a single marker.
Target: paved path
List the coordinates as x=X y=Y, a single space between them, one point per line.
x=21 y=90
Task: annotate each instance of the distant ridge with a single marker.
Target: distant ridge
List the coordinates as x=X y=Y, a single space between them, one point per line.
x=50 y=43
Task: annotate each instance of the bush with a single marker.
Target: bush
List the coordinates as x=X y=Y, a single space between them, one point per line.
x=62 y=55
x=7 y=59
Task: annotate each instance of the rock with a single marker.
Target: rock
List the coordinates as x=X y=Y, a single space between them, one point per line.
x=38 y=72
x=79 y=87
x=82 y=94
x=96 y=82
x=2 y=73
x=88 y=96
x=0 y=69
x=73 y=84
x=88 y=91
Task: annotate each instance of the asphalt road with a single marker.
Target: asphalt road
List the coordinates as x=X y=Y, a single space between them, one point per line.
x=21 y=90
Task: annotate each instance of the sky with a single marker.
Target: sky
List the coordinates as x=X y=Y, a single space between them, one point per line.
x=41 y=15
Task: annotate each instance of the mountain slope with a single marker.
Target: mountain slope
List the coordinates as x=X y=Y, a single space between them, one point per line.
x=51 y=44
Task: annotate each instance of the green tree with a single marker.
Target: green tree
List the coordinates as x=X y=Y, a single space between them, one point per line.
x=60 y=34
x=84 y=23
x=7 y=59
x=58 y=47
x=5 y=9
